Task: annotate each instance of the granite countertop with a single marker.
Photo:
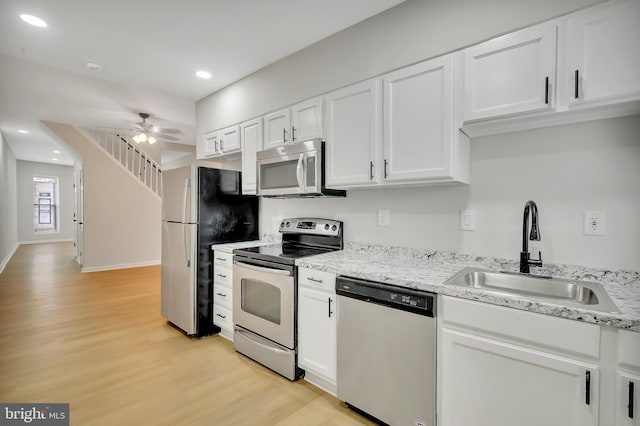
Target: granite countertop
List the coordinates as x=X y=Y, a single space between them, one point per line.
x=266 y=240
x=428 y=270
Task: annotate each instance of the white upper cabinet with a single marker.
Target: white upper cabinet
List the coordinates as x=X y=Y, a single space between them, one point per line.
x=306 y=120
x=511 y=74
x=353 y=129
x=603 y=49
x=420 y=138
x=276 y=128
x=222 y=142
x=251 y=135
x=297 y=123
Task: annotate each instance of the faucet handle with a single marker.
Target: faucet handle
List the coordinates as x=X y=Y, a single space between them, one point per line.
x=537 y=262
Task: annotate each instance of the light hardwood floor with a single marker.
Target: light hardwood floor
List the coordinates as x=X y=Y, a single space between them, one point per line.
x=97 y=341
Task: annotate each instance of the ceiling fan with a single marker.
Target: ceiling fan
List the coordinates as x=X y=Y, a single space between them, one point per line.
x=147 y=132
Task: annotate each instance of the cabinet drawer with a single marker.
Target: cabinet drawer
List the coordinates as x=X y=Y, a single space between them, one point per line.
x=223 y=276
x=222 y=296
x=563 y=334
x=320 y=280
x=629 y=348
x=222 y=259
x=222 y=317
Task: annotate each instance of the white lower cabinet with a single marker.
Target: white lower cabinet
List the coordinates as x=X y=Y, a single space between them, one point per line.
x=504 y=367
x=223 y=293
x=317 y=327
x=628 y=379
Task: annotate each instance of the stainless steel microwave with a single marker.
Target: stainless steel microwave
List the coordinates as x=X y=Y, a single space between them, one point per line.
x=293 y=170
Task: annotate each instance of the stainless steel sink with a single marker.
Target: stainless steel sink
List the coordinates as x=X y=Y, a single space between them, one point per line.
x=585 y=294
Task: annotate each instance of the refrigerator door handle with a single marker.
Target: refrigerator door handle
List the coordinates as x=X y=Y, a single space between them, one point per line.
x=187 y=185
x=185 y=230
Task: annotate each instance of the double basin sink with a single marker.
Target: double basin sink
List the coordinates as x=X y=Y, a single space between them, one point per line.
x=571 y=293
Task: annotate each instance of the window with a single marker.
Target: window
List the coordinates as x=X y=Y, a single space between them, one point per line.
x=45 y=204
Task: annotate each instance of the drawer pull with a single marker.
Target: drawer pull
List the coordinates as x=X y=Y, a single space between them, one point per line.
x=315 y=280
x=221 y=276
x=587 y=379
x=221 y=258
x=221 y=294
x=630 y=406
x=222 y=316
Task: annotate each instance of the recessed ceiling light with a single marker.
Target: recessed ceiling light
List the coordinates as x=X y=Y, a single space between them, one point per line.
x=93 y=65
x=24 y=132
x=33 y=20
x=55 y=151
x=203 y=74
x=54 y=159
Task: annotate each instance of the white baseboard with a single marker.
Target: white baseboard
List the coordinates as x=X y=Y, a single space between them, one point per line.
x=120 y=266
x=8 y=258
x=63 y=240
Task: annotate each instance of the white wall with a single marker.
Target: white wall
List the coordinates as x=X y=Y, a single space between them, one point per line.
x=26 y=170
x=565 y=169
x=121 y=217
x=8 y=211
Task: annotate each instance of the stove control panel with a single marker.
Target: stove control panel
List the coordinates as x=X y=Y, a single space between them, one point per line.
x=311 y=226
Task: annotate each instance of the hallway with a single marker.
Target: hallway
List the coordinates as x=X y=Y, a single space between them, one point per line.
x=97 y=341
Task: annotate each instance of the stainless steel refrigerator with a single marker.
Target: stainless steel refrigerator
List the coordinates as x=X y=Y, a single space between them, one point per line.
x=200 y=206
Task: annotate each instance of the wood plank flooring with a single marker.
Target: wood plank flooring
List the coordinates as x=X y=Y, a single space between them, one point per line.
x=97 y=341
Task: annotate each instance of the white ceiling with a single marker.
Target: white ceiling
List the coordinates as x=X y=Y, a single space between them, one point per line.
x=149 y=52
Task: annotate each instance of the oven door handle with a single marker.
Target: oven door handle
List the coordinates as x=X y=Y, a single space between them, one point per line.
x=265 y=270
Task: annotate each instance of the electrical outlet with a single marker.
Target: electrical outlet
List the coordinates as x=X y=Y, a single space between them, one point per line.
x=468 y=220
x=593 y=223
x=383 y=217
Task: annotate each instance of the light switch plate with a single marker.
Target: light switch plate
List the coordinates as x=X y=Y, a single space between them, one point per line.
x=383 y=217
x=468 y=220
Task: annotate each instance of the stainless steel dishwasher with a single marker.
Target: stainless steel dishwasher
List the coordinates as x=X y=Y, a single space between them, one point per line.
x=386 y=351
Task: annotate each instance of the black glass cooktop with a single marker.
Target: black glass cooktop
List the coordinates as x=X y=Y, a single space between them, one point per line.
x=281 y=253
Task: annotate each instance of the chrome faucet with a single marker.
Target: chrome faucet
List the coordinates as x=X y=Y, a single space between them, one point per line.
x=525 y=260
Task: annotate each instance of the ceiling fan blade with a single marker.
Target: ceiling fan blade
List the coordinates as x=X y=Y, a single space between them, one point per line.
x=168 y=138
x=174 y=131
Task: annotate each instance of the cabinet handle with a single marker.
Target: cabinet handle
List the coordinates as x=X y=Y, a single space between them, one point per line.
x=546 y=90
x=216 y=145
x=221 y=294
x=221 y=276
x=221 y=140
x=576 y=94
x=630 y=405
x=284 y=135
x=386 y=163
x=315 y=280
x=330 y=311
x=370 y=170
x=293 y=134
x=220 y=258
x=587 y=379
x=222 y=316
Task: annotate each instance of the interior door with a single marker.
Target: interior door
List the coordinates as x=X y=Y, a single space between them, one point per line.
x=79 y=216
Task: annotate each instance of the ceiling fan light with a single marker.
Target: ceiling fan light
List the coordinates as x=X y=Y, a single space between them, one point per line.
x=151 y=140
x=140 y=137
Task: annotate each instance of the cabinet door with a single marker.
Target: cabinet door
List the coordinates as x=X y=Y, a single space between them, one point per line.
x=306 y=120
x=317 y=332
x=418 y=121
x=511 y=74
x=229 y=140
x=488 y=382
x=353 y=133
x=627 y=400
x=251 y=134
x=276 y=128
x=604 y=52
x=210 y=144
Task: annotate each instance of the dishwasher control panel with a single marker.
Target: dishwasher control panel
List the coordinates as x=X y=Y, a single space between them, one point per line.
x=397 y=297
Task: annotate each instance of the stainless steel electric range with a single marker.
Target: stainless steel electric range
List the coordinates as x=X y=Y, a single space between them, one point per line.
x=265 y=292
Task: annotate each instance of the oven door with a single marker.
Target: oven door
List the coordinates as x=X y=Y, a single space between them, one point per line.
x=264 y=299
x=290 y=174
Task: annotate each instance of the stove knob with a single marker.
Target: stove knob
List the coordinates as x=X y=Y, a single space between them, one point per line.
x=334 y=227
x=282 y=225
x=326 y=227
x=288 y=224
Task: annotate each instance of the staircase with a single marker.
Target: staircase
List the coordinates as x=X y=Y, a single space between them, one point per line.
x=130 y=157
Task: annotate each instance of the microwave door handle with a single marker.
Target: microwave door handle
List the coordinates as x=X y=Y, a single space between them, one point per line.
x=265 y=270
x=300 y=172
